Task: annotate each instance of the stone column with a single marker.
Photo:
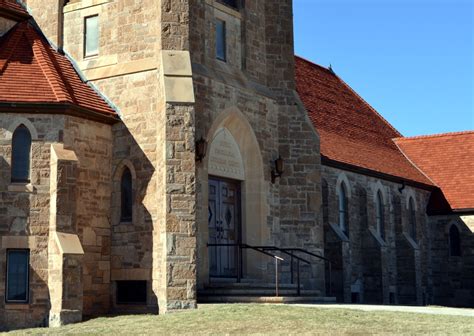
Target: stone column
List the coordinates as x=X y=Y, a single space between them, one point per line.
x=174 y=264
x=65 y=252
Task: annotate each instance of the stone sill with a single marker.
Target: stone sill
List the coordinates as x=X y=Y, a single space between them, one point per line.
x=21 y=187
x=339 y=233
x=17 y=306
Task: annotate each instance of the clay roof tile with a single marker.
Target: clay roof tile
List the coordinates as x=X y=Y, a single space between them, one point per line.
x=31 y=71
x=351 y=131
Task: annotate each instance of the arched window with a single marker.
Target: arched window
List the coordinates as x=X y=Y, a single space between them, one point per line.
x=412 y=214
x=126 y=193
x=21 y=152
x=380 y=216
x=325 y=192
x=342 y=205
x=454 y=241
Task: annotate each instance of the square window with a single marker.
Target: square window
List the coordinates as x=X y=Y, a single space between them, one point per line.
x=17 y=284
x=221 y=43
x=91 y=36
x=131 y=292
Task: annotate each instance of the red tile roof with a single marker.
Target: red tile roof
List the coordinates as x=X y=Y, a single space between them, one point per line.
x=448 y=159
x=351 y=131
x=12 y=9
x=31 y=71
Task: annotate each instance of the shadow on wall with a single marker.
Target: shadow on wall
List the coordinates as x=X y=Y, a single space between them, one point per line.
x=132 y=227
x=453 y=275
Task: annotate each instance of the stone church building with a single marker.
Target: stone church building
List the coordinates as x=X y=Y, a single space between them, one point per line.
x=155 y=154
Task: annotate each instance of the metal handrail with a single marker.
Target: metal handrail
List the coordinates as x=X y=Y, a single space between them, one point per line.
x=288 y=251
x=319 y=257
x=242 y=246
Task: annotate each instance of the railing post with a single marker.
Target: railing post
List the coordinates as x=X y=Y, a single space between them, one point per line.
x=291 y=270
x=239 y=263
x=299 y=282
x=330 y=280
x=276 y=277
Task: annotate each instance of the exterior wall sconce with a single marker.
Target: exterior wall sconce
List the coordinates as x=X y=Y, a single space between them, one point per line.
x=201 y=149
x=278 y=171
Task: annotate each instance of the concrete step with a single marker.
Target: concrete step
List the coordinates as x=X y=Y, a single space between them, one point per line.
x=263 y=291
x=250 y=285
x=265 y=299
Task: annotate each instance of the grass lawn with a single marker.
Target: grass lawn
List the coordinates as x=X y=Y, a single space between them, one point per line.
x=241 y=319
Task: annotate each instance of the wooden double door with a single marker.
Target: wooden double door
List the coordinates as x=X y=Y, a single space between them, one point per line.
x=224 y=226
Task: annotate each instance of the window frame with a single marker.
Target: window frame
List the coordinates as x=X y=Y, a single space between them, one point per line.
x=342 y=208
x=380 y=215
x=27 y=300
x=14 y=179
x=84 y=39
x=224 y=42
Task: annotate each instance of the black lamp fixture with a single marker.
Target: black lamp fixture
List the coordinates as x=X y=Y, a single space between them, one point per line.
x=278 y=171
x=201 y=149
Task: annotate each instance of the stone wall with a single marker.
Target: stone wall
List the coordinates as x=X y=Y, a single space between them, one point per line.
x=453 y=276
x=368 y=268
x=79 y=204
x=92 y=144
x=24 y=215
x=265 y=122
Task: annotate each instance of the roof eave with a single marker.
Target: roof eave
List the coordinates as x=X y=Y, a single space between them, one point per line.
x=14 y=15
x=365 y=171
x=58 y=108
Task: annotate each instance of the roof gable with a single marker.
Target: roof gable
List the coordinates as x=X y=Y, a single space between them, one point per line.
x=352 y=132
x=31 y=71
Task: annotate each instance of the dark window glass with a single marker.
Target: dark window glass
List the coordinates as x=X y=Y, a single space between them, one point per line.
x=21 y=149
x=131 y=292
x=454 y=241
x=380 y=215
x=343 y=213
x=17 y=276
x=230 y=3
x=411 y=209
x=221 y=40
x=126 y=196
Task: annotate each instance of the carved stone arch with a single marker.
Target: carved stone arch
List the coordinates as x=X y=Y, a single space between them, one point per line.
x=254 y=207
x=25 y=122
x=378 y=187
x=410 y=194
x=342 y=178
x=121 y=166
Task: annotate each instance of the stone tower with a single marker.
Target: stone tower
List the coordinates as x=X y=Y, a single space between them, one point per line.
x=178 y=71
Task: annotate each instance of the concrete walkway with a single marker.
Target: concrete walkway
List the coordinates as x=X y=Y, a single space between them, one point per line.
x=405 y=309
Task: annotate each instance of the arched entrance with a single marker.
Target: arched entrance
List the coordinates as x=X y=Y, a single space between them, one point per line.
x=237 y=182
x=226 y=173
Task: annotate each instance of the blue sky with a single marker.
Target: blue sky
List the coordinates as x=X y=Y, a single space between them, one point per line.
x=412 y=60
